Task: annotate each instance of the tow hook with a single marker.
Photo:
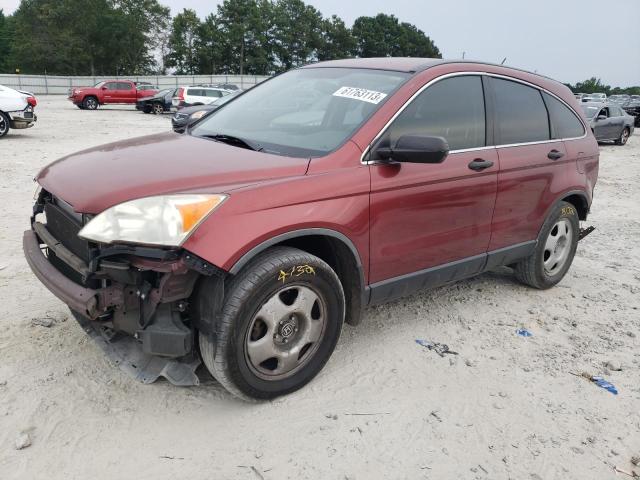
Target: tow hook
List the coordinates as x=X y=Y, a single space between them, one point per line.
x=585 y=231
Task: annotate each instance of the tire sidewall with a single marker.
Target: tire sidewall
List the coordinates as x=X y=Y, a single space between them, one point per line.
x=325 y=282
x=5 y=118
x=560 y=211
x=86 y=103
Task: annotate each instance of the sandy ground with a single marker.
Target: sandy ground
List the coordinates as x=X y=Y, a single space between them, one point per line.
x=383 y=407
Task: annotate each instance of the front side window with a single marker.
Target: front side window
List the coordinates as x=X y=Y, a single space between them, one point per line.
x=520 y=113
x=196 y=92
x=564 y=123
x=307 y=112
x=452 y=108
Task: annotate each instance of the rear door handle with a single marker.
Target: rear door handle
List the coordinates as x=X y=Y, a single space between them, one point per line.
x=555 y=155
x=479 y=164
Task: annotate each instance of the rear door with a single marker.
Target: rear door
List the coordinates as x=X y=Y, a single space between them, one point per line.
x=127 y=92
x=110 y=92
x=429 y=215
x=532 y=163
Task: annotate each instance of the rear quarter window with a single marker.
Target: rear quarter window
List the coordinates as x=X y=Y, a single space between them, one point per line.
x=521 y=115
x=564 y=123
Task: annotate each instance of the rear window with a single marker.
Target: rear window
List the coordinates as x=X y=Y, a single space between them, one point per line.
x=521 y=114
x=564 y=123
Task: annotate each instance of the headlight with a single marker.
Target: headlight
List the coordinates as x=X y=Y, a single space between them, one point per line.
x=162 y=220
x=197 y=115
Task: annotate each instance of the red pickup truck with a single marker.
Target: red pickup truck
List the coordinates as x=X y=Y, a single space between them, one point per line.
x=108 y=92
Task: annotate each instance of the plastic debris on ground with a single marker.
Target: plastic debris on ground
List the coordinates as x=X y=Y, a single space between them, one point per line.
x=599 y=381
x=523 y=332
x=440 y=348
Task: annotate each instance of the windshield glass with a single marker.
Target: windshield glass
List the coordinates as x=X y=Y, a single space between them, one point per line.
x=590 y=111
x=98 y=85
x=305 y=112
x=164 y=92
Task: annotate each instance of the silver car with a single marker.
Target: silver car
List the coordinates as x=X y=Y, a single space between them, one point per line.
x=608 y=122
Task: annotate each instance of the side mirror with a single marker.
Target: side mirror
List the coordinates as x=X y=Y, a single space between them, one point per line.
x=104 y=88
x=601 y=117
x=414 y=149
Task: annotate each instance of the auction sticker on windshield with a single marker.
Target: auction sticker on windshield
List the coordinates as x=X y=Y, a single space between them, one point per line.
x=363 y=94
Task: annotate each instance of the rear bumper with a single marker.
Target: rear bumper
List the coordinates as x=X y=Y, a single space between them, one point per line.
x=79 y=298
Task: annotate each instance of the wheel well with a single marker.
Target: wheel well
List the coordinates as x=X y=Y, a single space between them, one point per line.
x=341 y=258
x=580 y=204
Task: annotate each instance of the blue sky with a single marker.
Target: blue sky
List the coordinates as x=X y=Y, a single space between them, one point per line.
x=569 y=40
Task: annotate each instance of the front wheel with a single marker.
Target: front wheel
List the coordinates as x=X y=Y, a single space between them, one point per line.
x=280 y=322
x=158 y=109
x=624 y=136
x=4 y=124
x=90 y=103
x=556 y=247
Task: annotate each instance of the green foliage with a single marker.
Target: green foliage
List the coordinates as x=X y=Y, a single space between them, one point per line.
x=384 y=36
x=124 y=37
x=183 y=40
x=595 y=85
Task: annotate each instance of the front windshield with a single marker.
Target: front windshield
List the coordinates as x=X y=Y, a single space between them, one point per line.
x=164 y=92
x=303 y=113
x=590 y=111
x=98 y=85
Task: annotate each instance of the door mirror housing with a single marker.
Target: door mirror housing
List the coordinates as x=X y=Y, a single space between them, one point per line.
x=414 y=149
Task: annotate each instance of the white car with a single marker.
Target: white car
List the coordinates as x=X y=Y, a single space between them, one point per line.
x=16 y=109
x=197 y=95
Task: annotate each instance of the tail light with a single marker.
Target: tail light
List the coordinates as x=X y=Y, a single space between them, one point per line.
x=181 y=93
x=32 y=101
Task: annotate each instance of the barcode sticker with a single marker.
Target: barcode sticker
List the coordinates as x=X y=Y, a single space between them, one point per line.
x=363 y=94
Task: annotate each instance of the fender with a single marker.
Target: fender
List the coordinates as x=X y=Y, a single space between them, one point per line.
x=561 y=198
x=303 y=233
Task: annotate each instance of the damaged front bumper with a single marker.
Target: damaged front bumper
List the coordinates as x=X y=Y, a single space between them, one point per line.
x=134 y=300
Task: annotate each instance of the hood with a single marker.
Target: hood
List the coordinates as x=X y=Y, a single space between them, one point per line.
x=98 y=178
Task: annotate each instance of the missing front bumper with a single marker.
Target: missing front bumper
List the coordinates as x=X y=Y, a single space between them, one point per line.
x=127 y=354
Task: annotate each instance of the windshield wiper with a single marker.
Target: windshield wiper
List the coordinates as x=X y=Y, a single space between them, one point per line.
x=231 y=140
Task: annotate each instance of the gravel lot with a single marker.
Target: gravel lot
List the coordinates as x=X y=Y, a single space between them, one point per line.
x=384 y=407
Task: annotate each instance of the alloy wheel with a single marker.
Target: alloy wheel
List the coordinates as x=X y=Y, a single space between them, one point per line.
x=157 y=109
x=624 y=137
x=4 y=126
x=285 y=332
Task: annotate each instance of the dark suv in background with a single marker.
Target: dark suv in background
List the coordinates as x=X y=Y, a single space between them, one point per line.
x=248 y=241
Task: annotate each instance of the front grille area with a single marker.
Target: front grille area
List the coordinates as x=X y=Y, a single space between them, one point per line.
x=64 y=226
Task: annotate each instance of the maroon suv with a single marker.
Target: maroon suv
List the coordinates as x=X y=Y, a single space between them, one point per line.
x=249 y=240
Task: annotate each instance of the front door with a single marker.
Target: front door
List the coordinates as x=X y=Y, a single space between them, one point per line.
x=430 y=215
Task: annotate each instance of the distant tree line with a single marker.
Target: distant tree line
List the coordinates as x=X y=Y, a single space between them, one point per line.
x=595 y=85
x=128 y=37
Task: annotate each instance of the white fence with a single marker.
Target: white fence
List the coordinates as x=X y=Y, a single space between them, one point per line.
x=60 y=85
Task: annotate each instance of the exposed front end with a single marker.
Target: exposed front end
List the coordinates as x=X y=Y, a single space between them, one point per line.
x=120 y=290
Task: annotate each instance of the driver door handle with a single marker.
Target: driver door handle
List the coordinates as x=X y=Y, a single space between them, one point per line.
x=555 y=155
x=479 y=164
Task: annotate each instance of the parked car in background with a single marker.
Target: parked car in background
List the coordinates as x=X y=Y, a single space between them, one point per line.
x=110 y=92
x=632 y=107
x=608 y=122
x=16 y=110
x=225 y=86
x=188 y=115
x=595 y=97
x=159 y=103
x=193 y=95
x=248 y=241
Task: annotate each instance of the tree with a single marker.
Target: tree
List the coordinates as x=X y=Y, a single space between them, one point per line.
x=384 y=36
x=297 y=33
x=6 y=35
x=337 y=40
x=183 y=41
x=208 y=45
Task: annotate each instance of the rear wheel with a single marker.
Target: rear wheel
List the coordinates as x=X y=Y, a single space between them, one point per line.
x=90 y=103
x=554 y=251
x=624 y=136
x=4 y=124
x=280 y=322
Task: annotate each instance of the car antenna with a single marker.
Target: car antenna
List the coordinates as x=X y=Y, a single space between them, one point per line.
x=503 y=60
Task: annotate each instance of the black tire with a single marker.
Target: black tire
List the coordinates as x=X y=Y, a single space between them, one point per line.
x=532 y=270
x=81 y=107
x=260 y=281
x=146 y=109
x=624 y=136
x=4 y=124
x=90 y=103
